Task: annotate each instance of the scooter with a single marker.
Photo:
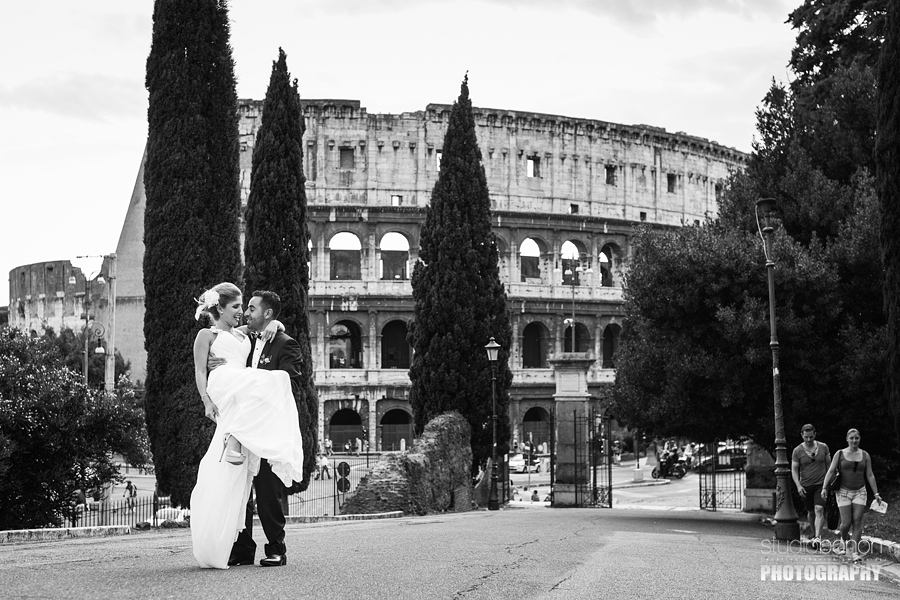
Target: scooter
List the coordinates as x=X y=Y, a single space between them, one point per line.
x=677 y=470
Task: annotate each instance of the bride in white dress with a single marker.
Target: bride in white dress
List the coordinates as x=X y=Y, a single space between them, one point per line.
x=254 y=411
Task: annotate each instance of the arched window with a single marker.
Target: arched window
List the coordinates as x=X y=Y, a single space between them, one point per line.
x=394 y=256
x=610 y=345
x=345 y=346
x=530 y=260
x=582 y=339
x=534 y=346
x=345 y=251
x=394 y=347
x=396 y=426
x=345 y=426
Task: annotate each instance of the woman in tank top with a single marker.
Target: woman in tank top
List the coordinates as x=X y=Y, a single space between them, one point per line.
x=855 y=466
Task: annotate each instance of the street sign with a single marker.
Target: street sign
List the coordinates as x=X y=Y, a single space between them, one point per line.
x=343 y=485
x=343 y=469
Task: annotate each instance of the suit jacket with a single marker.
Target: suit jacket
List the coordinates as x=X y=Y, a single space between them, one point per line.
x=281 y=353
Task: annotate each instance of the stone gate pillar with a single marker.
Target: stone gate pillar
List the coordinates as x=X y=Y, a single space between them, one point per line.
x=571 y=400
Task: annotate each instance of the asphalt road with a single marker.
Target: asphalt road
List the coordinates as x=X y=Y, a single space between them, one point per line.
x=525 y=553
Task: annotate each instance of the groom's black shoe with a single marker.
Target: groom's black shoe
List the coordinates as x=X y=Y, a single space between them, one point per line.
x=274 y=560
x=237 y=561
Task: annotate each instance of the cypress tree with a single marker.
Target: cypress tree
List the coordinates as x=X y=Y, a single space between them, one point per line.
x=191 y=227
x=275 y=247
x=459 y=300
x=887 y=169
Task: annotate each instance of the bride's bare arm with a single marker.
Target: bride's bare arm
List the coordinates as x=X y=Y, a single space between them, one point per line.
x=202 y=343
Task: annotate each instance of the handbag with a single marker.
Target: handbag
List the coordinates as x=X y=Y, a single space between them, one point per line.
x=832 y=512
x=835 y=483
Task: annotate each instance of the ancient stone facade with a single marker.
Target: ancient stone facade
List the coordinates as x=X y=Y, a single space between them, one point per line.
x=566 y=195
x=54 y=295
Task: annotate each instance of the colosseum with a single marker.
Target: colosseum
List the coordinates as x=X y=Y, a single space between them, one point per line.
x=566 y=195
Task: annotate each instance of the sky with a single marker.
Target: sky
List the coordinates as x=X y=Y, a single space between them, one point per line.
x=74 y=105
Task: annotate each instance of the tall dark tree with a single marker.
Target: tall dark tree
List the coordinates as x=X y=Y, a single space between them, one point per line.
x=460 y=302
x=887 y=159
x=191 y=235
x=276 y=254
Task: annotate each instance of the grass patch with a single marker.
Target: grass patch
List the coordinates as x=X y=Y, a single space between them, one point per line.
x=886 y=526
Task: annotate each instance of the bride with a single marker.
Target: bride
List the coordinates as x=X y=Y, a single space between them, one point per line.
x=255 y=416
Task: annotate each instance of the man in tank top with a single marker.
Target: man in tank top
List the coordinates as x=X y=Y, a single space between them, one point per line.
x=809 y=462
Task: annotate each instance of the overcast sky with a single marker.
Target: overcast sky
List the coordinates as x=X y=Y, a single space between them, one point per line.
x=74 y=105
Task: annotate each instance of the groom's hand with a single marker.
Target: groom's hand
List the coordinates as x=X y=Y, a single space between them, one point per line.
x=213 y=361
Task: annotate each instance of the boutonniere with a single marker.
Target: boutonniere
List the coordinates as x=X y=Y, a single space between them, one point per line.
x=264 y=360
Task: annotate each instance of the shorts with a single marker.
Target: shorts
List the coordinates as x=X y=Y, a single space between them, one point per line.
x=813 y=497
x=847 y=497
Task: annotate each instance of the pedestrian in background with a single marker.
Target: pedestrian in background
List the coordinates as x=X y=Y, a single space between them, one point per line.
x=322 y=464
x=130 y=495
x=854 y=466
x=809 y=463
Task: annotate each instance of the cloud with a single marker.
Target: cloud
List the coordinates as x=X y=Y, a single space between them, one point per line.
x=631 y=13
x=89 y=97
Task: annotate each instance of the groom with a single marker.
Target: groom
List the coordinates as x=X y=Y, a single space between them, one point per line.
x=281 y=353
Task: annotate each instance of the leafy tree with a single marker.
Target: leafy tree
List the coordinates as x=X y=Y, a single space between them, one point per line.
x=56 y=435
x=694 y=359
x=276 y=254
x=459 y=300
x=70 y=346
x=191 y=235
x=888 y=178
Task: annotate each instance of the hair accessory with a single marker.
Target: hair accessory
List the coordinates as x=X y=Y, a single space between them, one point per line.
x=206 y=300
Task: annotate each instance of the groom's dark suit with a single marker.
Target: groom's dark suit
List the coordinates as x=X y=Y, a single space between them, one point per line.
x=281 y=353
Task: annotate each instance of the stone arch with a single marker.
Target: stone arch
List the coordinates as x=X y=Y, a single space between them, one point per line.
x=535 y=345
x=345 y=252
x=582 y=338
x=609 y=259
x=394 y=347
x=345 y=425
x=396 y=430
x=536 y=422
x=345 y=345
x=533 y=260
x=394 y=263
x=572 y=254
x=610 y=345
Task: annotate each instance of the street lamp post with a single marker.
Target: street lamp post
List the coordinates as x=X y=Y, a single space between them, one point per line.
x=493 y=349
x=786 y=526
x=88 y=281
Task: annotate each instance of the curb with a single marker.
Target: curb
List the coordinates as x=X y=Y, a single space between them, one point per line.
x=394 y=514
x=44 y=535
x=649 y=483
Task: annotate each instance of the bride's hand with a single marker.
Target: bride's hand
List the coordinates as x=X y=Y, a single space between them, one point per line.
x=271 y=329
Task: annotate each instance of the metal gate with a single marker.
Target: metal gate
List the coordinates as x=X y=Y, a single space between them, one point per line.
x=720 y=467
x=593 y=461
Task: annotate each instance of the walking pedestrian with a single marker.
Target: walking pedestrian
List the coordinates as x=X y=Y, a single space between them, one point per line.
x=130 y=494
x=809 y=463
x=854 y=466
x=323 y=467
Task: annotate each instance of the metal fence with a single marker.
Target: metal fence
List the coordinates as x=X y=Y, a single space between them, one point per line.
x=330 y=488
x=126 y=512
x=324 y=496
x=720 y=469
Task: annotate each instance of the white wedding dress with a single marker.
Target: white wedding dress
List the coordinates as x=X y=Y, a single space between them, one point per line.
x=256 y=407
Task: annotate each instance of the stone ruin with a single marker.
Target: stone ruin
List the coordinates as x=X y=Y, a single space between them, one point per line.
x=432 y=477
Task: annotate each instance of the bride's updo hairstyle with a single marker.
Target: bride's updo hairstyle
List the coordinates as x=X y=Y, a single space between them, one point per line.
x=209 y=301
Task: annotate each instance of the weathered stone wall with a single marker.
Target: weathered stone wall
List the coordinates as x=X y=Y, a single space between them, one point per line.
x=432 y=477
